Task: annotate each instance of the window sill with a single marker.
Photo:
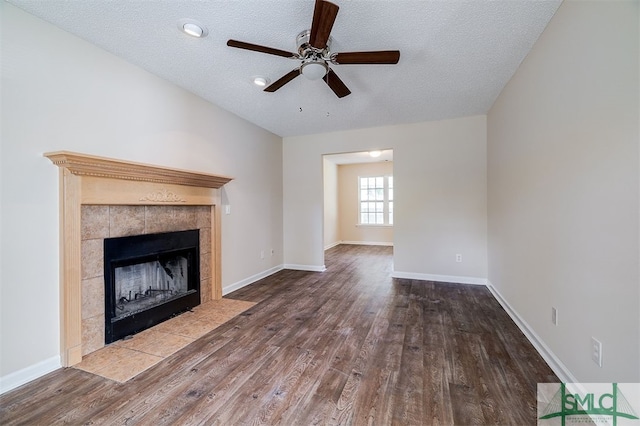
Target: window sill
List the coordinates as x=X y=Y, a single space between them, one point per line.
x=369 y=225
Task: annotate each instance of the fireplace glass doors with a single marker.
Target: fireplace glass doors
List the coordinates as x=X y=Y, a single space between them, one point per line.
x=148 y=279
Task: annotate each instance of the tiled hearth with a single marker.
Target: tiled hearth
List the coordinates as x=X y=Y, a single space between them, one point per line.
x=109 y=221
x=125 y=359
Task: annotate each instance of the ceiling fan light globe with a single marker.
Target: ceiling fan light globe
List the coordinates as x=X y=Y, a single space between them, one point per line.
x=314 y=70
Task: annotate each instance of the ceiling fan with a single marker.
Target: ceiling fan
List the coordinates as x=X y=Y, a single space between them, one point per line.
x=314 y=52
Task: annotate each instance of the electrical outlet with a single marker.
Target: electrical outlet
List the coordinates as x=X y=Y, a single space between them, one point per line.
x=227 y=209
x=262 y=254
x=272 y=252
x=554 y=316
x=458 y=258
x=596 y=351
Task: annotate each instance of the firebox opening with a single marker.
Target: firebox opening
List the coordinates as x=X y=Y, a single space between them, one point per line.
x=148 y=279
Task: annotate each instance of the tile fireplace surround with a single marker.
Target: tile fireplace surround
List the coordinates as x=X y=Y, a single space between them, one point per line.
x=102 y=197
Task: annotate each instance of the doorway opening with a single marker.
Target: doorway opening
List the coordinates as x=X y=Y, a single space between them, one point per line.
x=358 y=198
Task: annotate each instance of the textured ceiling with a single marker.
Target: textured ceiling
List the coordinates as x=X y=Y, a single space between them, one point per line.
x=456 y=56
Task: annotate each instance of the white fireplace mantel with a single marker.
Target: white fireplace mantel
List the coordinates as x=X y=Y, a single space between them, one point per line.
x=87 y=179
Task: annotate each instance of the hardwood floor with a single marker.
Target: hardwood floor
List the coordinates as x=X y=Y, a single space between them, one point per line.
x=347 y=346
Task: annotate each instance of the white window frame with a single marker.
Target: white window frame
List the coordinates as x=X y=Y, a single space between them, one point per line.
x=387 y=213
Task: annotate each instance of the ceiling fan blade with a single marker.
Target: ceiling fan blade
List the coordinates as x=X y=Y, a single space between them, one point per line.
x=377 y=57
x=258 y=48
x=282 y=80
x=324 y=15
x=334 y=82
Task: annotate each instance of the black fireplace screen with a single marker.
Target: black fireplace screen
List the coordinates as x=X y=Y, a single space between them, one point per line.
x=143 y=285
x=148 y=279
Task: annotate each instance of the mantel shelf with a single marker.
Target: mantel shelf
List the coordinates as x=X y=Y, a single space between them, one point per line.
x=89 y=165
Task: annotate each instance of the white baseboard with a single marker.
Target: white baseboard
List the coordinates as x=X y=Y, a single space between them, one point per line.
x=439 y=278
x=311 y=268
x=368 y=243
x=252 y=279
x=20 y=377
x=332 y=245
x=550 y=358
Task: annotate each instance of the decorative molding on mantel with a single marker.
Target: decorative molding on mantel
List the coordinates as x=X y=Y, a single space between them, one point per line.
x=90 y=165
x=163 y=196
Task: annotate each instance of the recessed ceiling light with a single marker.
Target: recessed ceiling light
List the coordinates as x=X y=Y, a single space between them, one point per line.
x=192 y=28
x=375 y=154
x=260 y=81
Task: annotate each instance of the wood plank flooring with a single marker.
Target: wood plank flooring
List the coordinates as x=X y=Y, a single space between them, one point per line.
x=347 y=346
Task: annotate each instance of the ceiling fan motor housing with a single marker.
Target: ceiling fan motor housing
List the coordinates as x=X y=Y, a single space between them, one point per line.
x=305 y=50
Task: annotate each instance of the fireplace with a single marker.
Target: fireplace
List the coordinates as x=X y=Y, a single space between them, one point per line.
x=148 y=197
x=148 y=279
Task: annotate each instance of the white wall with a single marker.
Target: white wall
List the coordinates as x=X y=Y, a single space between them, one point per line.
x=564 y=188
x=331 y=216
x=440 y=190
x=61 y=93
x=348 y=197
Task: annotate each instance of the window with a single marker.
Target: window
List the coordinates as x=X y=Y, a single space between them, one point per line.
x=376 y=200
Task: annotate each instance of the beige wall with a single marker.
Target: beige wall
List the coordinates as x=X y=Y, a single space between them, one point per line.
x=440 y=207
x=350 y=231
x=564 y=189
x=331 y=215
x=61 y=93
